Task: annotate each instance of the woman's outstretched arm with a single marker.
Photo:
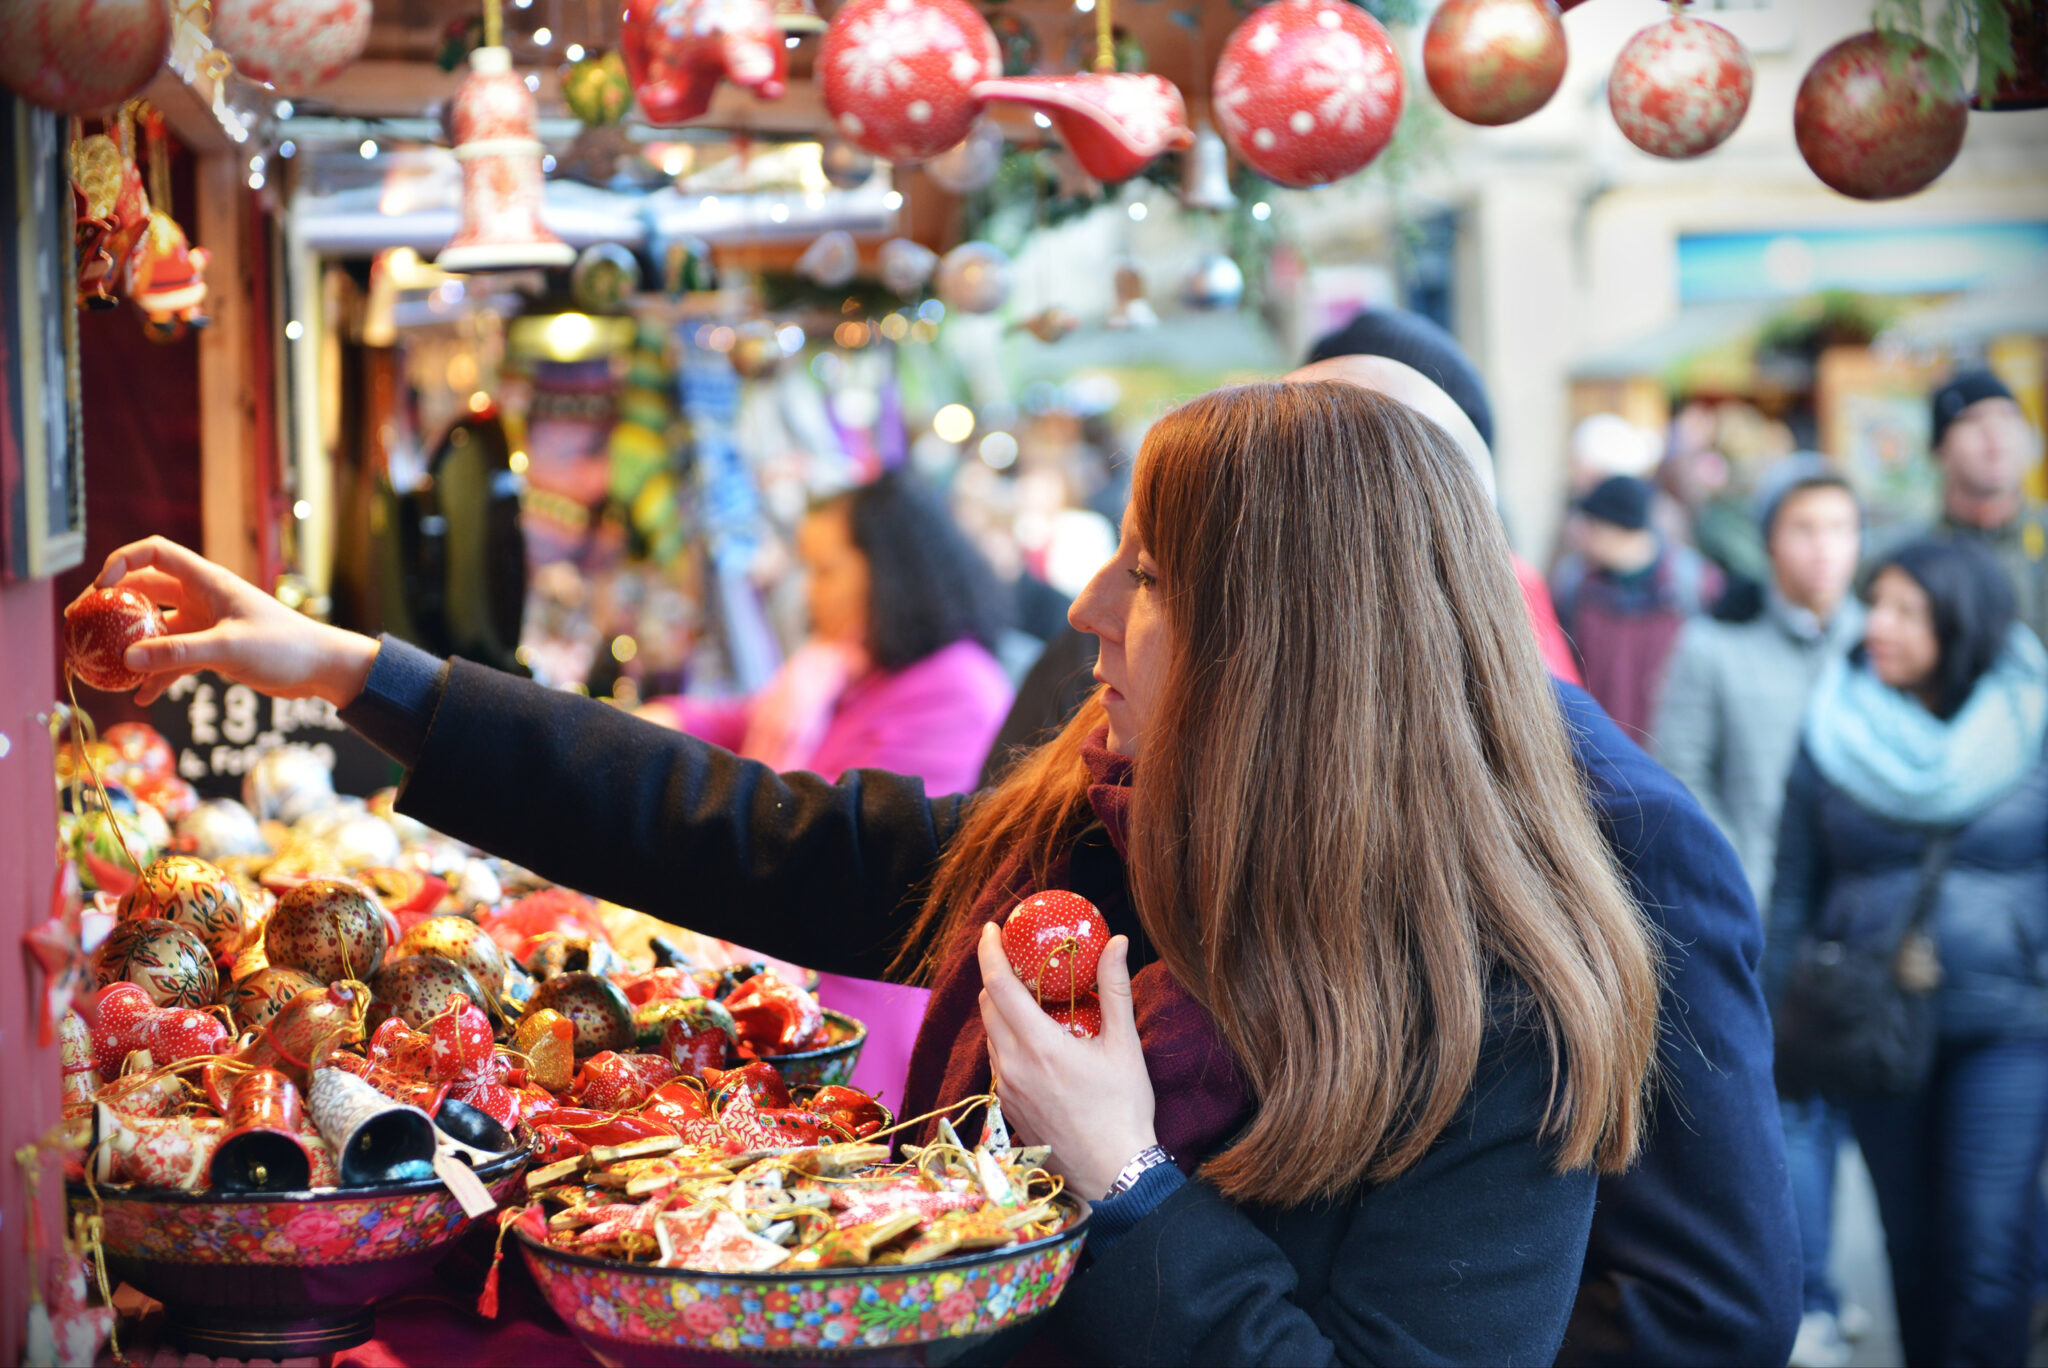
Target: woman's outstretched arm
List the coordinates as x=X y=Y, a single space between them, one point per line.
x=573 y=789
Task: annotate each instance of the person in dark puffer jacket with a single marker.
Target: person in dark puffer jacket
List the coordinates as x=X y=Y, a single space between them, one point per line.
x=1938 y=722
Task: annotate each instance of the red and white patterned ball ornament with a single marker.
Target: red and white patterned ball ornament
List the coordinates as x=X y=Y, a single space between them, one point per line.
x=1492 y=62
x=1880 y=115
x=1308 y=91
x=898 y=75
x=1679 y=88
x=82 y=56
x=293 y=44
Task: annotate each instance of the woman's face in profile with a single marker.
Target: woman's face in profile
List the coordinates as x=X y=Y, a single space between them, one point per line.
x=1898 y=634
x=836 y=576
x=1124 y=607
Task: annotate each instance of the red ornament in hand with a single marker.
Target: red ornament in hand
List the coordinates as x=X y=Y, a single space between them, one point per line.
x=99 y=627
x=1679 y=88
x=1880 y=115
x=1082 y=1018
x=1054 y=941
x=1494 y=61
x=1308 y=91
x=898 y=75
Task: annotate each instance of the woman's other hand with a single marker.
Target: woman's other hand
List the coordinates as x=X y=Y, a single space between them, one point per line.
x=1091 y=1100
x=221 y=622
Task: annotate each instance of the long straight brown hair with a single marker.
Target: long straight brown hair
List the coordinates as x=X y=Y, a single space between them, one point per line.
x=1354 y=806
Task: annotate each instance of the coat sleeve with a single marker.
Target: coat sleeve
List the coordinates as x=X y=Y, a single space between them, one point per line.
x=1694 y=1253
x=1469 y=1257
x=1689 y=725
x=1799 y=881
x=649 y=818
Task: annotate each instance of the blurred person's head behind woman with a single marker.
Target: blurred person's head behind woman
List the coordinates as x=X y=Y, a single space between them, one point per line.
x=1355 y=821
x=1941 y=614
x=891 y=572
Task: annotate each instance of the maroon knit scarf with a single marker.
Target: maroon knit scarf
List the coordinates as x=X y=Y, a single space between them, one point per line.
x=1202 y=1098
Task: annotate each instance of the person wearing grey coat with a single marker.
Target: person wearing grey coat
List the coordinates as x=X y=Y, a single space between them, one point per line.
x=1727 y=726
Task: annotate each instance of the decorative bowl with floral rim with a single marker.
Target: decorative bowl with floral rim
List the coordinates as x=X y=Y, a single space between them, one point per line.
x=642 y=1316
x=831 y=1063
x=278 y=1275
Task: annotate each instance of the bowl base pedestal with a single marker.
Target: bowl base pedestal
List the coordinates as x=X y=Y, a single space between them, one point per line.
x=246 y=1335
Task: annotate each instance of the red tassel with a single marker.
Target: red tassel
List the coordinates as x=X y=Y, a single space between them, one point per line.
x=487 y=1300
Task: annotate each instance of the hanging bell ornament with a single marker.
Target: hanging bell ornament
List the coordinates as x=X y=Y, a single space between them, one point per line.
x=906 y=265
x=293 y=44
x=1205 y=182
x=1492 y=62
x=1214 y=282
x=677 y=51
x=1680 y=87
x=974 y=278
x=970 y=164
x=1308 y=91
x=502 y=185
x=82 y=56
x=898 y=75
x=830 y=261
x=1880 y=115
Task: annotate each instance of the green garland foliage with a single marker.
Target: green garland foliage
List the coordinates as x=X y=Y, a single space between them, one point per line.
x=1962 y=30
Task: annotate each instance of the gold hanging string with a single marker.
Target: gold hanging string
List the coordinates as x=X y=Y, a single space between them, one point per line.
x=82 y=722
x=1105 y=38
x=494 y=24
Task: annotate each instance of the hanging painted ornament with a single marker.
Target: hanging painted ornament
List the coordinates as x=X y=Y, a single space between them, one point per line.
x=1492 y=62
x=502 y=187
x=1205 y=178
x=1308 y=91
x=605 y=277
x=677 y=51
x=974 y=278
x=1213 y=282
x=846 y=166
x=756 y=350
x=1679 y=88
x=906 y=265
x=597 y=89
x=898 y=74
x=1114 y=122
x=1132 y=309
x=167 y=280
x=113 y=214
x=971 y=163
x=82 y=56
x=1880 y=115
x=293 y=44
x=831 y=260
x=99 y=627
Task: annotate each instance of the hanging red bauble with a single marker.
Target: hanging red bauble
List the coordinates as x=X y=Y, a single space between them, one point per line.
x=293 y=44
x=1880 y=115
x=82 y=56
x=898 y=74
x=1494 y=61
x=677 y=51
x=1308 y=91
x=1679 y=88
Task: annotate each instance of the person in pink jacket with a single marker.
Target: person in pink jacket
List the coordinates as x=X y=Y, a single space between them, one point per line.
x=899 y=672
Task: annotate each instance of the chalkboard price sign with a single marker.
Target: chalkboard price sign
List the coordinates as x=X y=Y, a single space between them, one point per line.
x=217 y=729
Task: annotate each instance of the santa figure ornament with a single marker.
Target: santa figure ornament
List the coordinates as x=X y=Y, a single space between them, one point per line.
x=677 y=51
x=899 y=75
x=1494 y=61
x=1880 y=115
x=502 y=185
x=1679 y=88
x=1308 y=91
x=293 y=44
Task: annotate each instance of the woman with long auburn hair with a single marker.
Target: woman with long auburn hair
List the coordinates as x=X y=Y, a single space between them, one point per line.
x=1378 y=1009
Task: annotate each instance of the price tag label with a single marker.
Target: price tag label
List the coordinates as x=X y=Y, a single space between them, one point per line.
x=461 y=1180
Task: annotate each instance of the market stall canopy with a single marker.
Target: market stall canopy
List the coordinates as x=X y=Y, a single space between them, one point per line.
x=1971 y=319
x=1707 y=346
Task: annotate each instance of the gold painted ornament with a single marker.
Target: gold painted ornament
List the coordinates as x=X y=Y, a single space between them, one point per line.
x=195 y=894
